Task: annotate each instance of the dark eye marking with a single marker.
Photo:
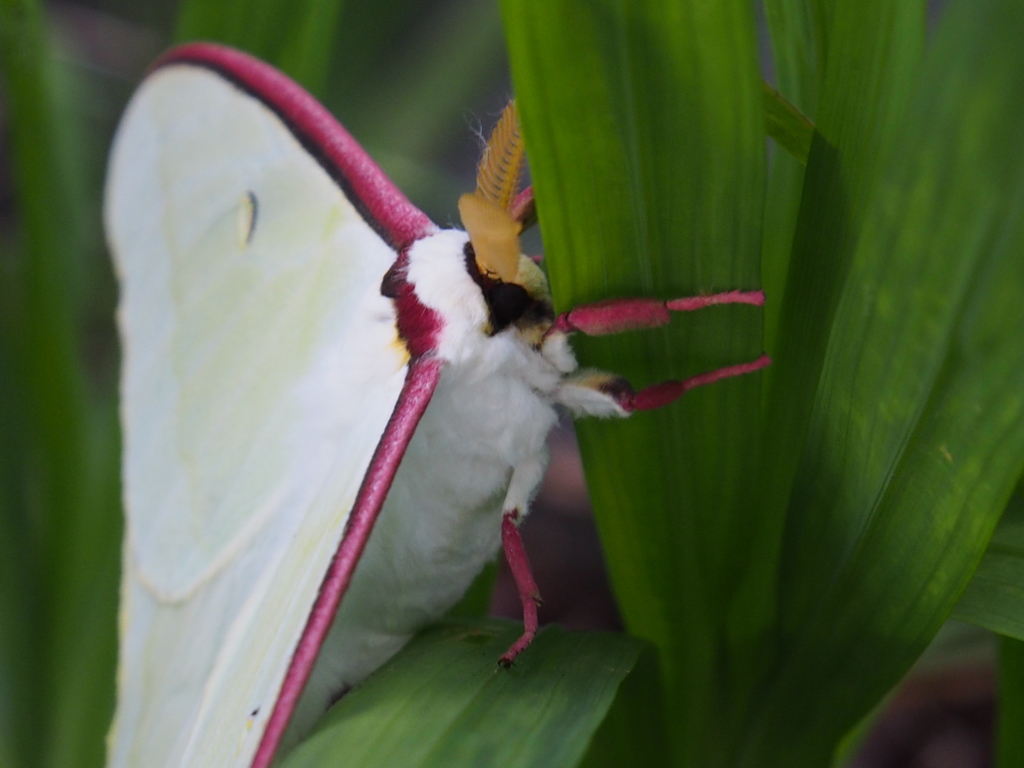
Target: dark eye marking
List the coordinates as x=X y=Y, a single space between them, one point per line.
x=248 y=208
x=391 y=284
x=507 y=302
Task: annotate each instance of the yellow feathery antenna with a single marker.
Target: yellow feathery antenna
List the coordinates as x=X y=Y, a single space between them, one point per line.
x=494 y=235
x=501 y=167
x=485 y=214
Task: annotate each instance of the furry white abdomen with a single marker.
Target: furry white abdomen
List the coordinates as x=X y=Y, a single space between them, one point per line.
x=442 y=520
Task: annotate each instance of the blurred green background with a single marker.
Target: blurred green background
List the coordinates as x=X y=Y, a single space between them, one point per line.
x=789 y=543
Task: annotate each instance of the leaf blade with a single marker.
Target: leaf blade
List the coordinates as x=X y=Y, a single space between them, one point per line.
x=444 y=701
x=994 y=598
x=872 y=56
x=786 y=125
x=644 y=126
x=916 y=436
x=799 y=60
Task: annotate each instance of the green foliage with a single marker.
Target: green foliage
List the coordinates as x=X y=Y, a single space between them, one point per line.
x=784 y=123
x=294 y=36
x=59 y=513
x=995 y=597
x=645 y=129
x=915 y=436
x=443 y=701
x=789 y=542
x=788 y=590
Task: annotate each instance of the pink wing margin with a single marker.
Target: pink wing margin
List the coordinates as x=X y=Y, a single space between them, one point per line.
x=399 y=223
x=420 y=382
x=377 y=199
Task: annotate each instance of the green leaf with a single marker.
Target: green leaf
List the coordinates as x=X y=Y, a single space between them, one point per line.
x=1010 y=736
x=994 y=598
x=873 y=55
x=916 y=434
x=444 y=701
x=784 y=123
x=634 y=730
x=295 y=36
x=644 y=123
x=797 y=50
x=799 y=61
x=20 y=663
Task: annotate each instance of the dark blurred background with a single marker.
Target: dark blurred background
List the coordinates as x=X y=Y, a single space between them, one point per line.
x=418 y=82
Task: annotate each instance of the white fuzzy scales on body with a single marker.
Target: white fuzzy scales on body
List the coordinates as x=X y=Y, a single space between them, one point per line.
x=487 y=422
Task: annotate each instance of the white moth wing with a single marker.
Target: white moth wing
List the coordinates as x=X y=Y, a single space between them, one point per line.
x=261 y=365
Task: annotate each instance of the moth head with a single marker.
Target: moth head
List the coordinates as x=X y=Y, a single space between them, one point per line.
x=479 y=280
x=514 y=287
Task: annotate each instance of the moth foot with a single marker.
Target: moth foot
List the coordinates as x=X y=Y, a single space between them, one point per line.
x=518 y=647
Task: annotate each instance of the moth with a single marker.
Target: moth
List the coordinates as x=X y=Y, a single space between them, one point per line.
x=334 y=411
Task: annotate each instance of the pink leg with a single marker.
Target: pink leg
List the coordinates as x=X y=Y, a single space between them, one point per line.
x=618 y=315
x=515 y=554
x=660 y=395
